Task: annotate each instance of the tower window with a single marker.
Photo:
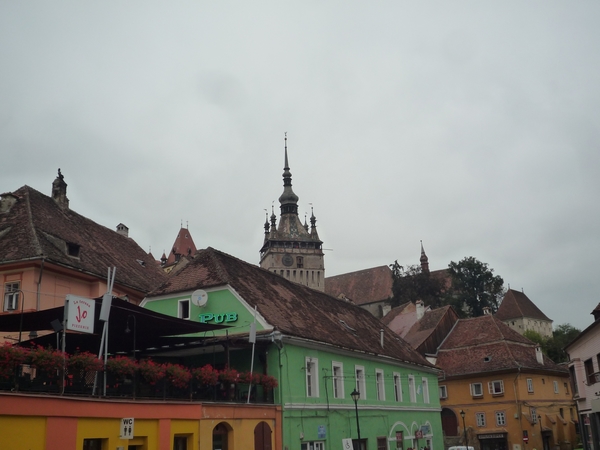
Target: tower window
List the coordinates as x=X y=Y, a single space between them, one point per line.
x=299 y=262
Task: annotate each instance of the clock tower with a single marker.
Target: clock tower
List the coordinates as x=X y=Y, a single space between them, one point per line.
x=291 y=249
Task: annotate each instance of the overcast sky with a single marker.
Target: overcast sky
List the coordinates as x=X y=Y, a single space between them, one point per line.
x=468 y=125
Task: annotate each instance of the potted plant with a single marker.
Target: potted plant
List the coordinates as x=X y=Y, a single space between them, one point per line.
x=82 y=362
x=178 y=375
x=228 y=376
x=121 y=366
x=206 y=375
x=11 y=356
x=47 y=361
x=268 y=382
x=151 y=371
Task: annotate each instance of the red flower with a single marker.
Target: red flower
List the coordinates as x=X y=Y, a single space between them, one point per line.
x=178 y=375
x=151 y=372
x=206 y=375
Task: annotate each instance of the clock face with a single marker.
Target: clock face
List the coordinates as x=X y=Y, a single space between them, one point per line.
x=287 y=260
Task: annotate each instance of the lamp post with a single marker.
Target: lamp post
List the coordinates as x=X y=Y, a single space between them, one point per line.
x=462 y=414
x=127 y=330
x=355 y=396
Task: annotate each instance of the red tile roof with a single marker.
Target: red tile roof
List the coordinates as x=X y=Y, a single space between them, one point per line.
x=36 y=227
x=516 y=304
x=485 y=344
x=290 y=308
x=427 y=334
x=362 y=287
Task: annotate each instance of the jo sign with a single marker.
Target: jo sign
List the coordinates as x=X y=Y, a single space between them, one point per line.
x=79 y=313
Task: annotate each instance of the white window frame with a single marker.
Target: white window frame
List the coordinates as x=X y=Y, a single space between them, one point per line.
x=12 y=295
x=412 y=389
x=397 y=387
x=555 y=386
x=533 y=414
x=180 y=309
x=380 y=383
x=500 y=418
x=496 y=387
x=443 y=391
x=530 y=385
x=337 y=370
x=473 y=387
x=480 y=419
x=312 y=445
x=361 y=385
x=312 y=377
x=425 y=385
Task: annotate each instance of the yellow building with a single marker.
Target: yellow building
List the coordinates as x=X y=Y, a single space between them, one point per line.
x=499 y=392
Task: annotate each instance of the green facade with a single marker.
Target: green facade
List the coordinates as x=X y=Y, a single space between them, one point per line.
x=319 y=418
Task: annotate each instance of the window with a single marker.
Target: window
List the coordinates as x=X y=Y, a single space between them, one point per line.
x=529 y=385
x=555 y=386
x=574 y=381
x=382 y=443
x=425 y=385
x=184 y=309
x=361 y=387
x=299 y=262
x=496 y=387
x=180 y=442
x=314 y=445
x=312 y=380
x=73 y=249
x=92 y=444
x=476 y=389
x=533 y=413
x=411 y=388
x=399 y=440
x=443 y=391
x=338 y=380
x=589 y=371
x=480 y=419
x=566 y=388
x=380 y=384
x=500 y=418
x=397 y=387
x=11 y=296
x=562 y=412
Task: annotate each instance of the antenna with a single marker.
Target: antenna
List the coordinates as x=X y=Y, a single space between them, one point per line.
x=199 y=297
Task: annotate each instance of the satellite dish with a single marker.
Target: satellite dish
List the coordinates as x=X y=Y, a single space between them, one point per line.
x=199 y=297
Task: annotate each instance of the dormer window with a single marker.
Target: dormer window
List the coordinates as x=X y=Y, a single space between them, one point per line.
x=73 y=249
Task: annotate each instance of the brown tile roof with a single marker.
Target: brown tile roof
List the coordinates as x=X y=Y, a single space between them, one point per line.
x=516 y=304
x=429 y=325
x=35 y=227
x=183 y=245
x=290 y=308
x=485 y=344
x=362 y=287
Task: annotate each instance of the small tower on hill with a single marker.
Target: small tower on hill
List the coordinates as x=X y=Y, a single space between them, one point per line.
x=291 y=249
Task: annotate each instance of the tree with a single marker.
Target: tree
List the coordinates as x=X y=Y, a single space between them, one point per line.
x=412 y=284
x=561 y=336
x=474 y=287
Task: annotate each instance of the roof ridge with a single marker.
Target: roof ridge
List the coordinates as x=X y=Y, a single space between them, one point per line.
x=36 y=240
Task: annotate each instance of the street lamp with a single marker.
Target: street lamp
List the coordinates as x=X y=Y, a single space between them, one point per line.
x=355 y=396
x=127 y=330
x=462 y=414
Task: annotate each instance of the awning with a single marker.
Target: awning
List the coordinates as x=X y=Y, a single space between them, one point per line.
x=151 y=329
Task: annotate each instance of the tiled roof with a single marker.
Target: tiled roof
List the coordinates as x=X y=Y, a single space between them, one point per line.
x=485 y=344
x=362 y=287
x=428 y=324
x=35 y=227
x=516 y=304
x=292 y=309
x=183 y=245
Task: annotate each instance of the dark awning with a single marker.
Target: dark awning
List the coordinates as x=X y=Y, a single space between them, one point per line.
x=152 y=329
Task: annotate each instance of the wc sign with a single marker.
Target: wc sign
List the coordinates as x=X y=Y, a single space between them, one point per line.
x=127 y=428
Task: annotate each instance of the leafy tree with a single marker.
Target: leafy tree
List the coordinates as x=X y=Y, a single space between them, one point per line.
x=412 y=284
x=474 y=287
x=535 y=337
x=561 y=336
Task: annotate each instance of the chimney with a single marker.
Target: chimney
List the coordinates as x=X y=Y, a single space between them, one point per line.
x=381 y=336
x=420 y=309
x=59 y=191
x=539 y=355
x=123 y=230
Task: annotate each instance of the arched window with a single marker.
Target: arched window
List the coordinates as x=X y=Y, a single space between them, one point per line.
x=221 y=434
x=449 y=422
x=262 y=436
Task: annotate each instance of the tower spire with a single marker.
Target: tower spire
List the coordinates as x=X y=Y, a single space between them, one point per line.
x=424 y=260
x=288 y=200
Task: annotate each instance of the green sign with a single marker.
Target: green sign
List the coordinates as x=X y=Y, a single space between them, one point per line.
x=218 y=317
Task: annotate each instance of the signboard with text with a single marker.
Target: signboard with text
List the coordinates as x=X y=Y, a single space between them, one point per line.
x=79 y=313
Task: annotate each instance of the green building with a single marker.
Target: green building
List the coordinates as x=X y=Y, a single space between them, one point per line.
x=319 y=348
